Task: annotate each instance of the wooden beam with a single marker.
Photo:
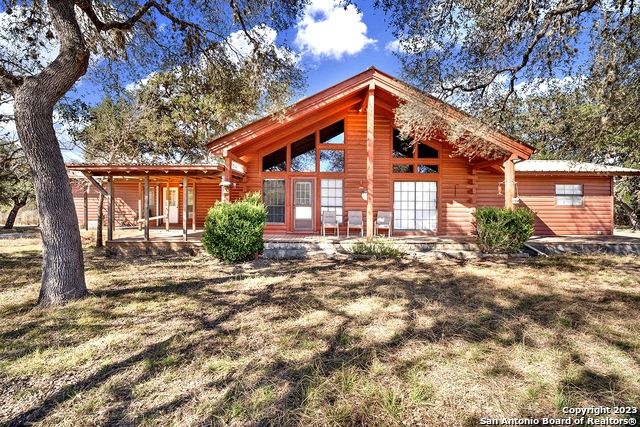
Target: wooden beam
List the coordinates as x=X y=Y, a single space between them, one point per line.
x=509 y=182
x=370 y=144
x=110 y=209
x=86 y=210
x=228 y=176
x=487 y=164
x=236 y=159
x=146 y=208
x=193 y=209
x=185 y=189
x=140 y=197
x=157 y=205
x=364 y=103
x=99 y=187
x=166 y=204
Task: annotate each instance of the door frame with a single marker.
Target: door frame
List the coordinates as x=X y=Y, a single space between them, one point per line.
x=312 y=205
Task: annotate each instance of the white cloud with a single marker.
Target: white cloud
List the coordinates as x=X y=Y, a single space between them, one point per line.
x=329 y=30
x=393 y=46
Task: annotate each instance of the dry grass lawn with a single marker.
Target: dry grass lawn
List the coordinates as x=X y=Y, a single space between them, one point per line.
x=185 y=340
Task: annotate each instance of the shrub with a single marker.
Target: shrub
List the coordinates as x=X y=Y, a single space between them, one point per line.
x=502 y=229
x=379 y=248
x=233 y=231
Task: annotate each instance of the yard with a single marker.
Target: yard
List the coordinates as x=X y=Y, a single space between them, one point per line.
x=185 y=340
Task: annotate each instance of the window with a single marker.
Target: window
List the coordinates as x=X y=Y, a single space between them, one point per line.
x=331 y=197
x=190 y=202
x=426 y=152
x=273 y=199
x=415 y=205
x=402 y=168
x=331 y=160
x=407 y=154
x=276 y=161
x=333 y=134
x=427 y=168
x=303 y=154
x=402 y=148
x=569 y=194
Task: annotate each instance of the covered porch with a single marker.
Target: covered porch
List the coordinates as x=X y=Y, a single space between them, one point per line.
x=159 y=203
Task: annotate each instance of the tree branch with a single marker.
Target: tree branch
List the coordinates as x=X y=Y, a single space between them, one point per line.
x=87 y=8
x=513 y=70
x=9 y=82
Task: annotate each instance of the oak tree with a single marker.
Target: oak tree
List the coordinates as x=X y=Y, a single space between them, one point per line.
x=150 y=35
x=484 y=55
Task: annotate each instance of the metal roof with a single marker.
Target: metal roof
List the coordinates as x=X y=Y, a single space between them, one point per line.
x=566 y=166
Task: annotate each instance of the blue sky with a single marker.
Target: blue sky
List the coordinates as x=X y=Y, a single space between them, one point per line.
x=335 y=44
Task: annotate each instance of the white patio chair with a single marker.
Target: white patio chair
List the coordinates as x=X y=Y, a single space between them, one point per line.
x=383 y=221
x=354 y=220
x=329 y=220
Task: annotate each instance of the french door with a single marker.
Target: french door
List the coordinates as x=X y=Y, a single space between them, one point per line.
x=303 y=205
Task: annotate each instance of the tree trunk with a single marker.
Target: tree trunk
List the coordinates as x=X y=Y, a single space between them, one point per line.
x=99 y=242
x=17 y=205
x=62 y=258
x=633 y=218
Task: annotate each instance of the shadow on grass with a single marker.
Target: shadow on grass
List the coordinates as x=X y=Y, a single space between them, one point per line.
x=466 y=307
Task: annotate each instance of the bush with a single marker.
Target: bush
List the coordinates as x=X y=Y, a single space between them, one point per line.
x=233 y=231
x=503 y=230
x=379 y=248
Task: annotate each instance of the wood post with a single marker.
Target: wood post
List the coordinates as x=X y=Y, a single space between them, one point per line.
x=146 y=208
x=110 y=210
x=157 y=205
x=370 y=143
x=509 y=182
x=185 y=189
x=228 y=176
x=166 y=204
x=140 y=196
x=86 y=210
x=193 y=209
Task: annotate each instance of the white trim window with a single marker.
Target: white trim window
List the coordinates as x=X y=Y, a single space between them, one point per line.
x=331 y=198
x=569 y=195
x=415 y=205
x=273 y=199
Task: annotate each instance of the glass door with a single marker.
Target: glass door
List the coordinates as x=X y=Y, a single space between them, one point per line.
x=303 y=205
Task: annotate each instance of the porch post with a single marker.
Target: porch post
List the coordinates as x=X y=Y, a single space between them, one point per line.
x=193 y=217
x=370 y=142
x=140 y=205
x=86 y=209
x=157 y=205
x=185 y=189
x=228 y=176
x=146 y=208
x=110 y=210
x=509 y=182
x=166 y=205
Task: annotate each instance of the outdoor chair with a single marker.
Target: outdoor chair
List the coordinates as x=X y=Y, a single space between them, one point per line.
x=354 y=220
x=383 y=221
x=329 y=220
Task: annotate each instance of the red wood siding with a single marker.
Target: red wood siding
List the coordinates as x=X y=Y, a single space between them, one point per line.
x=538 y=193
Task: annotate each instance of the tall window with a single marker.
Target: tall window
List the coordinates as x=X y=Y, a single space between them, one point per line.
x=415 y=205
x=303 y=154
x=275 y=161
x=273 y=199
x=410 y=156
x=331 y=197
x=190 y=202
x=569 y=194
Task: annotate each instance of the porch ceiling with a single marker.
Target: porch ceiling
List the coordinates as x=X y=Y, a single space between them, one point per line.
x=163 y=172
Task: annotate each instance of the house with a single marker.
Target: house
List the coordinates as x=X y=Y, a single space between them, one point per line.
x=338 y=150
